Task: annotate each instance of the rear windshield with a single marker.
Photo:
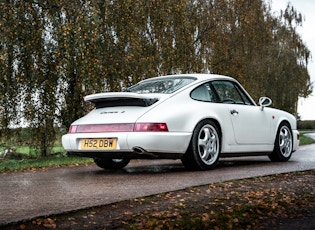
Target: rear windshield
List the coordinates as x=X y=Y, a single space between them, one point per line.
x=163 y=85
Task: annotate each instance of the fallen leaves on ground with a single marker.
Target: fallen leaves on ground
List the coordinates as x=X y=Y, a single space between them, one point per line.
x=257 y=203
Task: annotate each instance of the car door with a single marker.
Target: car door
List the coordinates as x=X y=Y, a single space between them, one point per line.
x=251 y=125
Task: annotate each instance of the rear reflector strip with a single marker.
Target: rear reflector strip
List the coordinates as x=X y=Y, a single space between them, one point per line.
x=104 y=128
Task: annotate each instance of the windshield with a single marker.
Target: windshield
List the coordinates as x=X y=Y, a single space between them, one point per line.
x=163 y=85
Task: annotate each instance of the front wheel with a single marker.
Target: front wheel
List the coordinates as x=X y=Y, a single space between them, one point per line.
x=283 y=144
x=204 y=149
x=111 y=163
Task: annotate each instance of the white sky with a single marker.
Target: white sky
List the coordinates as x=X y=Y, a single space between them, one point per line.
x=306 y=107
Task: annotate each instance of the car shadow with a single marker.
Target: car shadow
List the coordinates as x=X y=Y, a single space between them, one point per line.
x=233 y=162
x=177 y=166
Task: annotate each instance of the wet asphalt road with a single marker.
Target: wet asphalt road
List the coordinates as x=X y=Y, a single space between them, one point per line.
x=26 y=195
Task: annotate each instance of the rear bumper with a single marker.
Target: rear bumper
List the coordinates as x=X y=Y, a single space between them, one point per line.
x=133 y=144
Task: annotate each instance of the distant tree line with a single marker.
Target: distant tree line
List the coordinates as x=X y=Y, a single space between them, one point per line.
x=54 y=52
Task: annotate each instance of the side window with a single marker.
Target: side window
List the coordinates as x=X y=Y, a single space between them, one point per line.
x=204 y=92
x=245 y=98
x=230 y=92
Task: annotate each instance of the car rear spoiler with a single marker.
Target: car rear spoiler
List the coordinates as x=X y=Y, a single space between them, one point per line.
x=102 y=100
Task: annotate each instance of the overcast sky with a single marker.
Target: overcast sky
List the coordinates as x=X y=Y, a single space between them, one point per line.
x=306 y=107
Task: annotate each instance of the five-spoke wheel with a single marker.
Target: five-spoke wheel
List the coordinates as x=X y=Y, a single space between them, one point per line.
x=283 y=144
x=204 y=149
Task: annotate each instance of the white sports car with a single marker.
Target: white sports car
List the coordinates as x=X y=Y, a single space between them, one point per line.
x=193 y=117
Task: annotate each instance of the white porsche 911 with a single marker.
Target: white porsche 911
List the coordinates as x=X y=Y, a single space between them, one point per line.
x=193 y=117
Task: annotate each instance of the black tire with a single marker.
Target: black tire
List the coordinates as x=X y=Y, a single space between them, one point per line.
x=111 y=163
x=204 y=148
x=283 y=144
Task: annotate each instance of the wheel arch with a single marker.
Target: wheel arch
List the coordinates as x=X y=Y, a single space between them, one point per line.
x=281 y=121
x=287 y=122
x=226 y=133
x=216 y=122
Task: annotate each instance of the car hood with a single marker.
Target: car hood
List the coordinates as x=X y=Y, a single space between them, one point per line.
x=122 y=107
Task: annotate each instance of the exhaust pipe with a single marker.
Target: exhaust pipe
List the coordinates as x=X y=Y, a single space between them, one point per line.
x=139 y=150
x=142 y=151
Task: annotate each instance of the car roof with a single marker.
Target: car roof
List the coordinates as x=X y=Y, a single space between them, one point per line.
x=202 y=78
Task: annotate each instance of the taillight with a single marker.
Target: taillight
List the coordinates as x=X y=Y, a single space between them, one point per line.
x=150 y=127
x=73 y=129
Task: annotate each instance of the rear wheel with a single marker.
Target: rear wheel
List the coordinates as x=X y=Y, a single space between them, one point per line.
x=283 y=144
x=204 y=149
x=111 y=163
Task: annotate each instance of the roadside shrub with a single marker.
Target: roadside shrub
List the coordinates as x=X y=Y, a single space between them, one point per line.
x=306 y=125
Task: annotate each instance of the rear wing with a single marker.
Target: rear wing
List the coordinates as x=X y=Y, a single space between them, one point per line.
x=112 y=99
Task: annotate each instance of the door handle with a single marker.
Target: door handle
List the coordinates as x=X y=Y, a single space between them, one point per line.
x=234 y=112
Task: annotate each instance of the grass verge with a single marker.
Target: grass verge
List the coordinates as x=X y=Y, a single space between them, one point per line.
x=304 y=140
x=41 y=163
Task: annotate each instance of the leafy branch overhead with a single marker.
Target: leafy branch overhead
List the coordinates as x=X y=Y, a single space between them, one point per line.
x=53 y=53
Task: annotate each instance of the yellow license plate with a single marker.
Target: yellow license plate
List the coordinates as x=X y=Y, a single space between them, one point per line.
x=99 y=144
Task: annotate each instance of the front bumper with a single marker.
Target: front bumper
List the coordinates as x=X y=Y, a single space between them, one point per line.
x=296 y=139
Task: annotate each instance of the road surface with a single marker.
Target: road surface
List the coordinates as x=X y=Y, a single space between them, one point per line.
x=26 y=195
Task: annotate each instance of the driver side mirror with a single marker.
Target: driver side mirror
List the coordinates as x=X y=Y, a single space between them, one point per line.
x=264 y=102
